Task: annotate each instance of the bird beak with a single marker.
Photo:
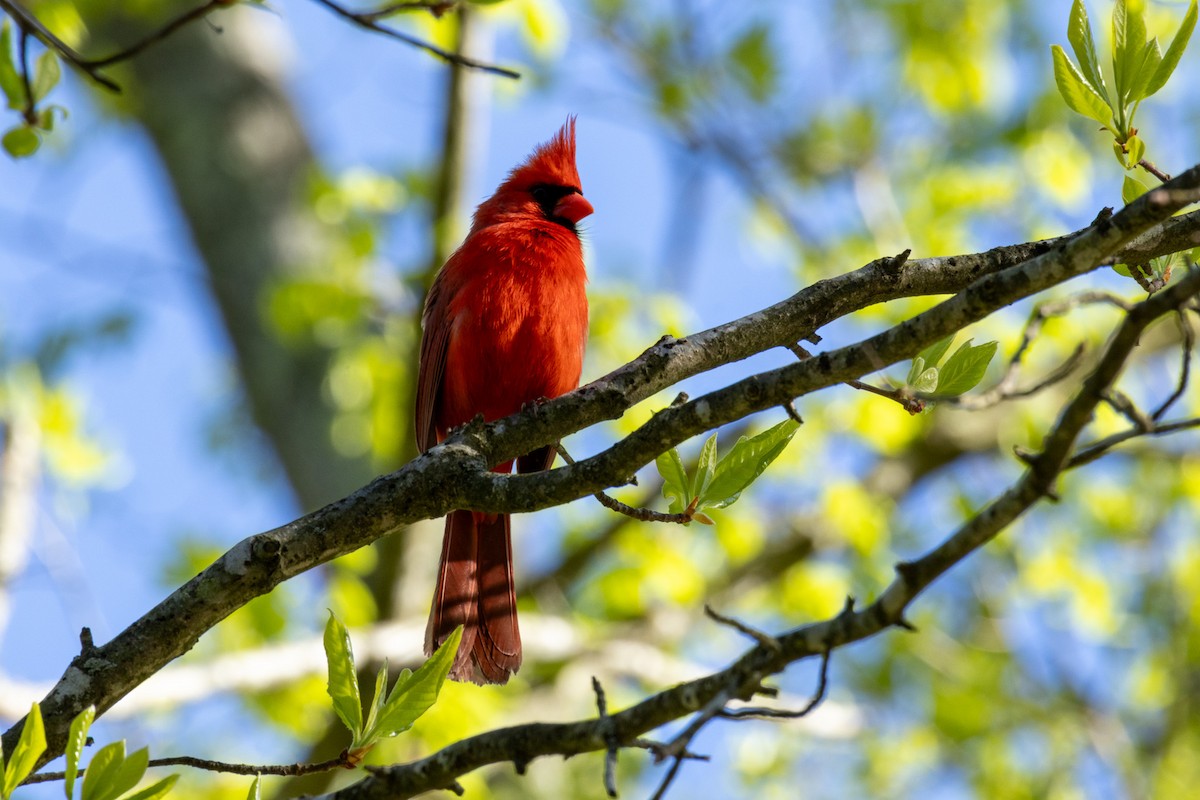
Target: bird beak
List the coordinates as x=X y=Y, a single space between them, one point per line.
x=573 y=207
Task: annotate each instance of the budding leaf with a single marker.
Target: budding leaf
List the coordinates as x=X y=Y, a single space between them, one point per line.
x=1079 y=34
x=46 y=74
x=926 y=382
x=21 y=141
x=965 y=369
x=675 y=480
x=705 y=464
x=1079 y=97
x=29 y=748
x=76 y=739
x=1170 y=59
x=416 y=693
x=102 y=770
x=343 y=680
x=156 y=790
x=932 y=355
x=744 y=462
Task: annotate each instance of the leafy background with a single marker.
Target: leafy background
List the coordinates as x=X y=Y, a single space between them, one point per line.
x=734 y=152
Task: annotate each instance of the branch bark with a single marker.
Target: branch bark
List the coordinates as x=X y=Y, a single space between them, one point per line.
x=455 y=474
x=523 y=743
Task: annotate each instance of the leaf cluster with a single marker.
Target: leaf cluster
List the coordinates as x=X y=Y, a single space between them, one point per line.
x=109 y=776
x=961 y=373
x=389 y=713
x=23 y=92
x=1139 y=70
x=719 y=483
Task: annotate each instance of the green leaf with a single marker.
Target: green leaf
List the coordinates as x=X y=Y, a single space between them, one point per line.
x=156 y=790
x=414 y=695
x=1079 y=97
x=926 y=382
x=10 y=79
x=1136 y=148
x=744 y=462
x=46 y=74
x=76 y=739
x=1132 y=188
x=965 y=369
x=1174 y=52
x=705 y=464
x=754 y=63
x=379 y=698
x=21 y=141
x=130 y=772
x=343 y=681
x=1129 y=42
x=932 y=355
x=255 y=791
x=1079 y=34
x=914 y=372
x=25 y=755
x=675 y=480
x=1147 y=65
x=101 y=771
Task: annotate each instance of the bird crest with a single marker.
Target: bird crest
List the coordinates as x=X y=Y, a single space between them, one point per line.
x=552 y=162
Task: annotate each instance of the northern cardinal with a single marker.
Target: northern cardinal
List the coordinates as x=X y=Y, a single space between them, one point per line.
x=505 y=324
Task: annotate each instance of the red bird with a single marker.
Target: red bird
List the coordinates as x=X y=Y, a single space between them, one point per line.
x=505 y=324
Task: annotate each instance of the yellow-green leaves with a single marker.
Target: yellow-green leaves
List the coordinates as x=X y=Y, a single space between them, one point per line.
x=25 y=755
x=1139 y=69
x=961 y=373
x=390 y=713
x=1159 y=268
x=1079 y=34
x=1079 y=94
x=754 y=62
x=343 y=680
x=1170 y=59
x=76 y=738
x=109 y=775
x=23 y=93
x=719 y=483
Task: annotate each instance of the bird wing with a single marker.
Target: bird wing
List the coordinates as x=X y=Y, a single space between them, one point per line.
x=435 y=340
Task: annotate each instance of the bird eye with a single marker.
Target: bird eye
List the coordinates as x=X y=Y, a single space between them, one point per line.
x=541 y=194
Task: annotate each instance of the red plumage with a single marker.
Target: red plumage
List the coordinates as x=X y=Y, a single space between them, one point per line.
x=505 y=324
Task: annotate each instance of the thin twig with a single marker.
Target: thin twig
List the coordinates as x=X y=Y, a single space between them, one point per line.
x=287 y=770
x=764 y=639
x=1091 y=452
x=913 y=405
x=30 y=24
x=759 y=712
x=1185 y=368
x=435 y=7
x=641 y=514
x=29 y=112
x=1153 y=170
x=366 y=20
x=170 y=27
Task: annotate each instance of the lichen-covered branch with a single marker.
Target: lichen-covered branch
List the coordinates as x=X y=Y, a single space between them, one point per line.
x=455 y=474
x=523 y=743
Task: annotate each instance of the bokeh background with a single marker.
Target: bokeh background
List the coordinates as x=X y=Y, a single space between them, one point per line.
x=209 y=292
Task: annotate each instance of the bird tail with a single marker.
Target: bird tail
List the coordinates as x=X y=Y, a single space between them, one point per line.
x=475 y=589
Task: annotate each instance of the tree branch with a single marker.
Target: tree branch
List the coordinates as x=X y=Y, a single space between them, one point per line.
x=455 y=474
x=521 y=744
x=370 y=21
x=30 y=25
